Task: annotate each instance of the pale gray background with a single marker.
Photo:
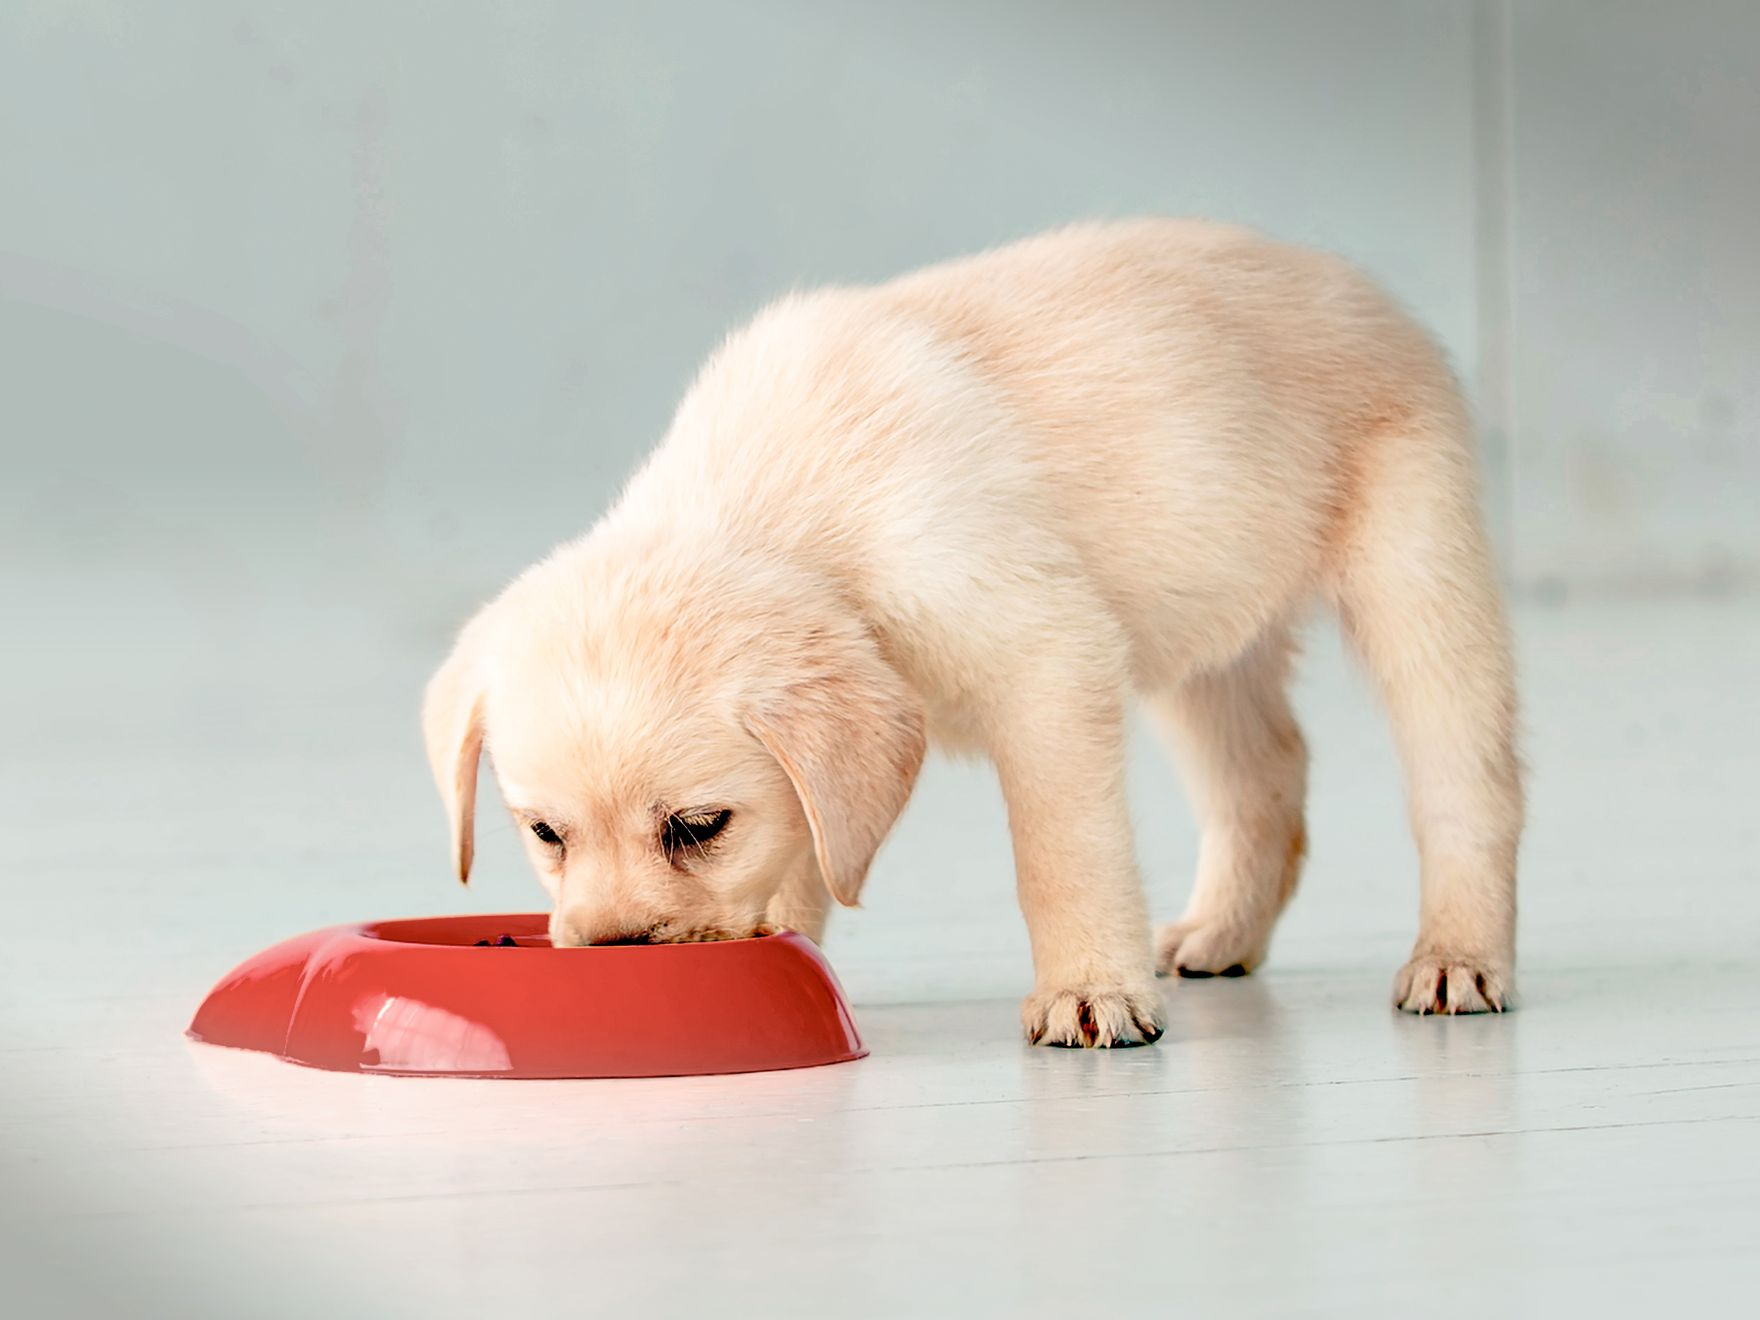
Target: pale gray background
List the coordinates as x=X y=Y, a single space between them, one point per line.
x=409 y=287
x=320 y=320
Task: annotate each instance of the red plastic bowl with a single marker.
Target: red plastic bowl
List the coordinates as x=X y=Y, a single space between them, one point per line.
x=418 y=998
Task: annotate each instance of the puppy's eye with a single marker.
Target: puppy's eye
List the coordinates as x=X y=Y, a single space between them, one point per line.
x=691 y=832
x=546 y=834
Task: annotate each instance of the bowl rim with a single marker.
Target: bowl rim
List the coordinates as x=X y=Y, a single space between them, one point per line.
x=387 y=931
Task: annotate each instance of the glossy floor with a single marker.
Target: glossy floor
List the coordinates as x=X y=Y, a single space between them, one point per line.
x=1292 y=1147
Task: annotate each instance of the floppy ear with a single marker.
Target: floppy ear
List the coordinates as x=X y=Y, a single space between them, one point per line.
x=849 y=735
x=452 y=727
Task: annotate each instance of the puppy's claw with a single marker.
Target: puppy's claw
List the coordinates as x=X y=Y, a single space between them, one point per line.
x=1198 y=974
x=1451 y=984
x=1085 y=1021
x=1094 y=1017
x=1196 y=949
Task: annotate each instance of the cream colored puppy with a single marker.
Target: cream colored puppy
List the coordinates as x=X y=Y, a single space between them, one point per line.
x=981 y=505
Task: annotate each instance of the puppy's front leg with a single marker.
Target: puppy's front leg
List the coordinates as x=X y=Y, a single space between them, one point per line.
x=1060 y=756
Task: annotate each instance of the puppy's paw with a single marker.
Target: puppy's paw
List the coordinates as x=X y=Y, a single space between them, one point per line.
x=1452 y=983
x=1207 y=948
x=1094 y=1016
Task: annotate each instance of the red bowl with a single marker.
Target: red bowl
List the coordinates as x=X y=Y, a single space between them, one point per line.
x=419 y=998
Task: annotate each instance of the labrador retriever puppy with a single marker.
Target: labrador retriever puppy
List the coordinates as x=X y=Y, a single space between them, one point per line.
x=982 y=506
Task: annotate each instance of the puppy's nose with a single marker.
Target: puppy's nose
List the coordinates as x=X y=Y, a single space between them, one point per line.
x=574 y=930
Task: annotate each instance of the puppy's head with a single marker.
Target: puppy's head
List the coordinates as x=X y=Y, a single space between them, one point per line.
x=675 y=735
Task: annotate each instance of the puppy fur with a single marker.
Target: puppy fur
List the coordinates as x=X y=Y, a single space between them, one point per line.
x=984 y=505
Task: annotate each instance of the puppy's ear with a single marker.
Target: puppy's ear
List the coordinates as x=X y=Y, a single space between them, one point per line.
x=849 y=735
x=452 y=727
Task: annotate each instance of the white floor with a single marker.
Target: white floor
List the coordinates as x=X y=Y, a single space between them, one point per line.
x=191 y=783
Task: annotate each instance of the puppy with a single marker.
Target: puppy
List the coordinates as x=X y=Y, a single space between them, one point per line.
x=983 y=505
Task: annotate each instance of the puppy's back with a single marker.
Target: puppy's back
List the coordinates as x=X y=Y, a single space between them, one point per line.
x=1168 y=401
x=1094 y=321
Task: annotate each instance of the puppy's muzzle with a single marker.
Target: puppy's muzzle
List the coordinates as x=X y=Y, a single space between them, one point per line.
x=576 y=930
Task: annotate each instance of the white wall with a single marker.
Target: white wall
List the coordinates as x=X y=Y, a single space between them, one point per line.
x=291 y=286
x=427 y=286
x=1635 y=279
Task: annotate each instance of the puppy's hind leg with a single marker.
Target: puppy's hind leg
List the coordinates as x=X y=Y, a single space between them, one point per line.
x=1416 y=589
x=1247 y=766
